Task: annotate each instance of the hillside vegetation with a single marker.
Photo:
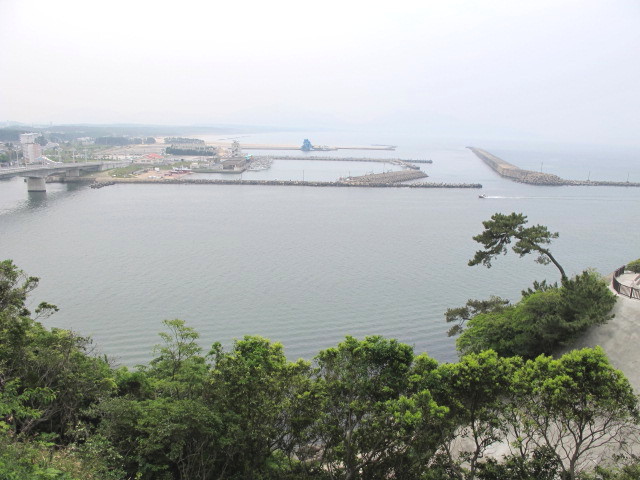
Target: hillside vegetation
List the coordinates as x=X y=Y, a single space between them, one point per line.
x=365 y=409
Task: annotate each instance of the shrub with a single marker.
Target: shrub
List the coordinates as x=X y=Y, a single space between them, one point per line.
x=634 y=266
x=543 y=320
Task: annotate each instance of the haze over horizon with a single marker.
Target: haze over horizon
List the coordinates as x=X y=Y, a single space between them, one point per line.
x=550 y=71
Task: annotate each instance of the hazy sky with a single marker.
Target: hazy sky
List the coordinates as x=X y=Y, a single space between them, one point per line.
x=554 y=70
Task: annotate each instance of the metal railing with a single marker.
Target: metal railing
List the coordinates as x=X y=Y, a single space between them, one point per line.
x=625 y=290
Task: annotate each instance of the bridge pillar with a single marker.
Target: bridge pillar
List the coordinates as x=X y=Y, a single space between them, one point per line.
x=74 y=172
x=36 y=184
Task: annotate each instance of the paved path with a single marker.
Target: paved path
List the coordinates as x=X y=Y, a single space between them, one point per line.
x=620 y=338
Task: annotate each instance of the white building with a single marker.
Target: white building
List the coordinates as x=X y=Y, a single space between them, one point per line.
x=31 y=150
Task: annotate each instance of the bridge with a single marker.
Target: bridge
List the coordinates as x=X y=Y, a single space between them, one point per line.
x=36 y=174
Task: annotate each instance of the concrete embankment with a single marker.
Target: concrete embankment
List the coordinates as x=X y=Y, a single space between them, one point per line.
x=388 y=177
x=507 y=170
x=340 y=159
x=512 y=172
x=287 y=183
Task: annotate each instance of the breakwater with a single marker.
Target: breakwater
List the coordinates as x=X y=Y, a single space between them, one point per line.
x=341 y=159
x=254 y=146
x=512 y=172
x=507 y=170
x=290 y=183
x=102 y=184
x=388 y=177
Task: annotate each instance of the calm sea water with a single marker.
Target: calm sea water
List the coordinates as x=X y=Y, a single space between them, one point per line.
x=306 y=266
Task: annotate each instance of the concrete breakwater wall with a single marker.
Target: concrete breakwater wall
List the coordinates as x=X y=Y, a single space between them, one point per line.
x=287 y=183
x=255 y=146
x=514 y=173
x=506 y=169
x=340 y=159
x=389 y=177
x=601 y=183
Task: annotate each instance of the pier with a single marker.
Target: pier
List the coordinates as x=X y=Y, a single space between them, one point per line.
x=512 y=172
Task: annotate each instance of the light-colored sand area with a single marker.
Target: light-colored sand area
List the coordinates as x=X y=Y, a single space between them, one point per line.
x=620 y=337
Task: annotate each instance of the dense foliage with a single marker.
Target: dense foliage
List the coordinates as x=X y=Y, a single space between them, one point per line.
x=634 y=266
x=183 y=140
x=204 y=150
x=546 y=318
x=364 y=409
x=116 y=141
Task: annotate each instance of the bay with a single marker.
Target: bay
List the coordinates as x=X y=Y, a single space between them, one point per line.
x=306 y=266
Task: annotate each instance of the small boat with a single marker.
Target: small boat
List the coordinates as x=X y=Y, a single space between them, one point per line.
x=482 y=196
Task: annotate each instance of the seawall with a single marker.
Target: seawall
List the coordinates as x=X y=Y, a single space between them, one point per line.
x=388 y=177
x=285 y=183
x=507 y=170
x=512 y=172
x=340 y=159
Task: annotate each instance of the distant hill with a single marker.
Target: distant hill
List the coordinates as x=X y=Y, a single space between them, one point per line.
x=10 y=131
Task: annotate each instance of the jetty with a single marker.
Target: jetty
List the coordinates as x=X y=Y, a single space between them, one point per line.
x=388 y=177
x=290 y=183
x=341 y=159
x=512 y=172
x=264 y=146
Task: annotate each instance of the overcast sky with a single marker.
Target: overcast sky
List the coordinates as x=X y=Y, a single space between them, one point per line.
x=554 y=70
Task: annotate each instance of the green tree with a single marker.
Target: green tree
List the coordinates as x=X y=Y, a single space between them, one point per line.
x=545 y=319
x=573 y=406
x=48 y=374
x=263 y=401
x=585 y=301
x=179 y=370
x=461 y=315
x=163 y=424
x=14 y=288
x=502 y=229
x=475 y=391
x=374 y=423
